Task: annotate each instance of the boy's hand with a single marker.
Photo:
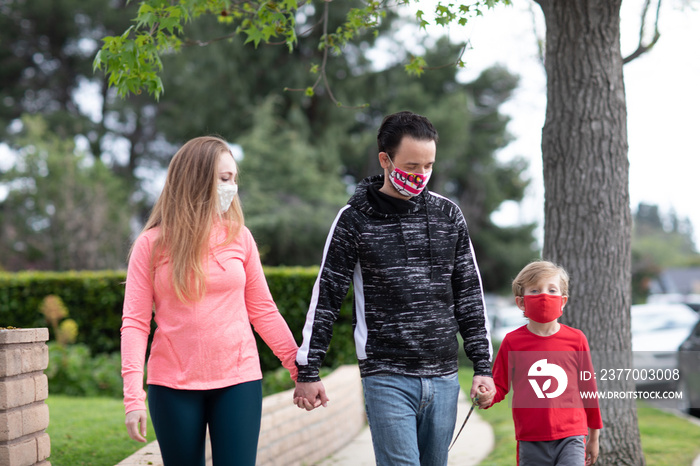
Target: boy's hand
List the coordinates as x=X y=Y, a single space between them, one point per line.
x=592 y=446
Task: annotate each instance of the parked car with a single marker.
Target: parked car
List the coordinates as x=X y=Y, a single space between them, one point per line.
x=504 y=320
x=689 y=370
x=657 y=332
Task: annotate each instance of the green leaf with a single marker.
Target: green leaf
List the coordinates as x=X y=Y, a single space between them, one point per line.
x=254 y=34
x=97 y=62
x=416 y=66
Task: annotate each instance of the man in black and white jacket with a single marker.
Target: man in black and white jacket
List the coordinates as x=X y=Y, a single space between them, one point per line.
x=416 y=284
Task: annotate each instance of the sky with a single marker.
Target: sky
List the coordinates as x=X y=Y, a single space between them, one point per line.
x=663 y=103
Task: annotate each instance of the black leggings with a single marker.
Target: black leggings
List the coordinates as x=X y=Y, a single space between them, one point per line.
x=180 y=419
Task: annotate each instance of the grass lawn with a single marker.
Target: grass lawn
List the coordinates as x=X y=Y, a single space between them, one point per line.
x=89 y=431
x=667 y=440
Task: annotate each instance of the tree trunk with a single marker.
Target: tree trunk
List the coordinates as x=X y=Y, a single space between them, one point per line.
x=586 y=177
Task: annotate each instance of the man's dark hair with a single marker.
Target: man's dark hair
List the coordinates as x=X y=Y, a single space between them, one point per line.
x=397 y=125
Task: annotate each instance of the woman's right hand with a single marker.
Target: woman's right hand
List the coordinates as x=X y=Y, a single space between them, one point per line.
x=136 y=424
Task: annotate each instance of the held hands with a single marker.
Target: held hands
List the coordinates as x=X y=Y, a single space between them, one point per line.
x=483 y=390
x=136 y=425
x=310 y=395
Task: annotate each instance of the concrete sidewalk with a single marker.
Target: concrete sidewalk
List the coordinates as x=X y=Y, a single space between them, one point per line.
x=474 y=444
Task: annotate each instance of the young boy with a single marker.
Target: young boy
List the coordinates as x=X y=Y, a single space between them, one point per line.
x=543 y=361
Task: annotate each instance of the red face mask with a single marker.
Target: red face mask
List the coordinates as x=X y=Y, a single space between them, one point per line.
x=543 y=307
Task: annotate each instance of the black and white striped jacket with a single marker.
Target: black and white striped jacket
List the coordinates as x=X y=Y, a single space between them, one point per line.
x=415 y=282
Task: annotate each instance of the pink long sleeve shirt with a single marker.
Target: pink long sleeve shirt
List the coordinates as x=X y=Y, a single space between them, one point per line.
x=204 y=345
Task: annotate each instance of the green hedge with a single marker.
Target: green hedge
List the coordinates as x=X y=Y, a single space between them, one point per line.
x=94 y=300
x=291 y=288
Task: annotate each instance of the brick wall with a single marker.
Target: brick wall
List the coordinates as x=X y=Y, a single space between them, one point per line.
x=24 y=416
x=291 y=436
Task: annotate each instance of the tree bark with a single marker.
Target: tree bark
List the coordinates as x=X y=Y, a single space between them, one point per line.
x=586 y=177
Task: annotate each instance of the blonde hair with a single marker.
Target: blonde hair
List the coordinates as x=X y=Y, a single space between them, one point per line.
x=185 y=212
x=533 y=271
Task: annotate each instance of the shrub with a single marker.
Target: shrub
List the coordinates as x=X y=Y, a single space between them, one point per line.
x=291 y=289
x=73 y=371
x=95 y=301
x=94 y=298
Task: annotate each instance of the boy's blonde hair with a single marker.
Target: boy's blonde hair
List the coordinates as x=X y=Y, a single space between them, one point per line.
x=536 y=270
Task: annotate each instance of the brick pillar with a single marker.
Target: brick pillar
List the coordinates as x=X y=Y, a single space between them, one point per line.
x=24 y=416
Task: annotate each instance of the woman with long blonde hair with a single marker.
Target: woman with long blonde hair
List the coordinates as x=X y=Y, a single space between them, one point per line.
x=196 y=271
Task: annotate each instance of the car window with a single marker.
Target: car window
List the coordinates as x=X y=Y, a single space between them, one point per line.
x=657 y=319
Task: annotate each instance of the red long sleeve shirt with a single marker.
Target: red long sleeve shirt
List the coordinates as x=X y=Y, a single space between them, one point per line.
x=546 y=402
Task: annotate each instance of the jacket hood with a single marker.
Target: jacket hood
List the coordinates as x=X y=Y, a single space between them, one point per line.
x=360 y=199
x=417 y=205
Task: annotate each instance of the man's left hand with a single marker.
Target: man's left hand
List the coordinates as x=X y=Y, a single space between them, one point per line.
x=483 y=389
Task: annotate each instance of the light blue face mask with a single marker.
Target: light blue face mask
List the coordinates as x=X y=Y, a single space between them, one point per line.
x=226 y=193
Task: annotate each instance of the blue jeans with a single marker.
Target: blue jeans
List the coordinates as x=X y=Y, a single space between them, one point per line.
x=411 y=419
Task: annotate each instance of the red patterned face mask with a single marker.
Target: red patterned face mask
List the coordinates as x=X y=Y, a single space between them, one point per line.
x=408 y=184
x=543 y=307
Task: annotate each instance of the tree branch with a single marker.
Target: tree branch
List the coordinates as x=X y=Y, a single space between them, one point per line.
x=457 y=62
x=641 y=47
x=322 y=70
